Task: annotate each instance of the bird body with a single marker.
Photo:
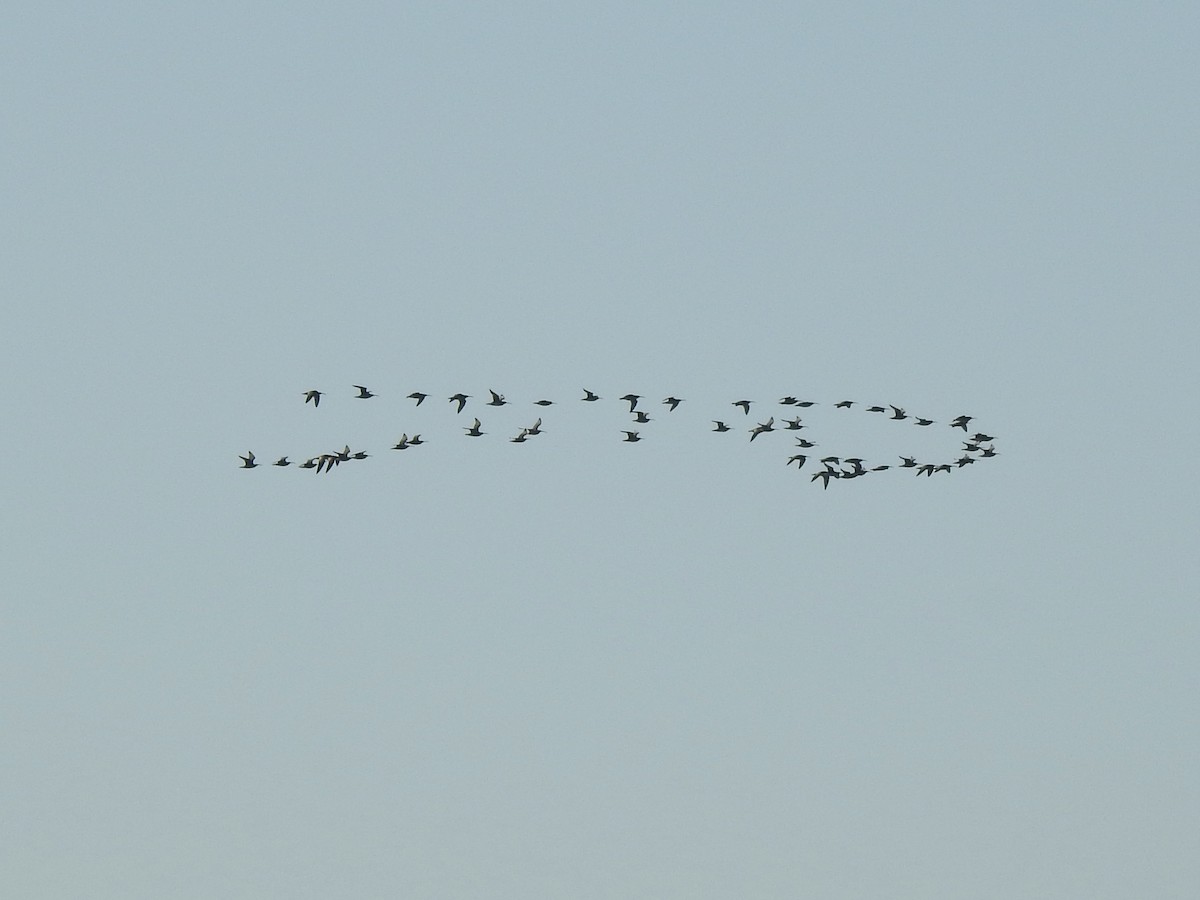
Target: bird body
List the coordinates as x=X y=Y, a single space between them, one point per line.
x=363 y=393
x=248 y=460
x=313 y=397
x=461 y=400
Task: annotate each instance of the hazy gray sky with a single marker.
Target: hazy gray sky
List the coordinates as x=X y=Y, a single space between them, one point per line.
x=574 y=667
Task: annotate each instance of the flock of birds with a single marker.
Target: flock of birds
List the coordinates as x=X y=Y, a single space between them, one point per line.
x=975 y=446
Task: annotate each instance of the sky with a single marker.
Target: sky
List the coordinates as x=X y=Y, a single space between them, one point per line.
x=576 y=666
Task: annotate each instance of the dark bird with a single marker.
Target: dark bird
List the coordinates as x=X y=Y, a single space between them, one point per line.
x=282 y=461
x=633 y=399
x=744 y=404
x=831 y=459
x=673 y=402
x=880 y=468
x=474 y=431
x=415 y=441
x=589 y=396
x=798 y=457
x=402 y=444
x=898 y=413
x=309 y=463
x=361 y=454
x=248 y=460
x=787 y=401
x=921 y=421
x=497 y=399
x=909 y=462
x=418 y=396
x=520 y=438
x=964 y=461
x=944 y=467
x=793 y=424
x=926 y=469
x=856 y=463
x=631 y=437
x=876 y=409
x=641 y=417
x=543 y=402
x=825 y=476
x=363 y=393
x=843 y=404
x=805 y=404
x=461 y=400
x=961 y=422
x=719 y=426
x=970 y=446
x=314 y=397
x=989 y=452
x=535 y=428
x=762 y=428
x=806 y=444
x=981 y=438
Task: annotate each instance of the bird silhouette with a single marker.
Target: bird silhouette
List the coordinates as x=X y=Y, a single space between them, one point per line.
x=497 y=399
x=461 y=400
x=672 y=402
x=589 y=396
x=719 y=426
x=248 y=460
x=633 y=400
x=282 y=461
x=418 y=396
x=631 y=437
x=762 y=428
x=474 y=431
x=744 y=404
x=313 y=397
x=363 y=393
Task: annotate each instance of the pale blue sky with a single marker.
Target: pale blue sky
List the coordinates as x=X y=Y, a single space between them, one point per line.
x=573 y=667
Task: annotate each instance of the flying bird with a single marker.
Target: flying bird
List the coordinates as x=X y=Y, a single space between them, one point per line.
x=719 y=426
x=961 y=422
x=543 y=402
x=589 y=396
x=248 y=460
x=744 y=404
x=497 y=399
x=843 y=404
x=474 y=431
x=631 y=437
x=461 y=400
x=282 y=461
x=363 y=393
x=825 y=476
x=673 y=402
x=762 y=428
x=535 y=428
x=633 y=399
x=800 y=457
x=313 y=397
x=641 y=417
x=921 y=421
x=418 y=396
